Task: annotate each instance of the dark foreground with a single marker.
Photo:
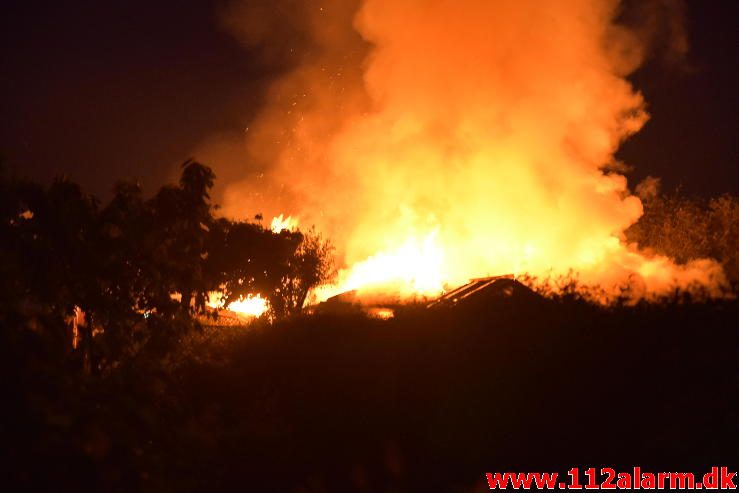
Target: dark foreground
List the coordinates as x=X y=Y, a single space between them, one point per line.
x=429 y=401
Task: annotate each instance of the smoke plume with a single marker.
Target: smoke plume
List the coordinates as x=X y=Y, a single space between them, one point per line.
x=476 y=136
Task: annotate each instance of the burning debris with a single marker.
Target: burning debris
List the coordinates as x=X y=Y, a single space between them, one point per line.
x=383 y=306
x=249 y=306
x=500 y=285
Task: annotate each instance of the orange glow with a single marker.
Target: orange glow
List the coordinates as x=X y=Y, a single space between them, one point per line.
x=381 y=313
x=251 y=306
x=477 y=138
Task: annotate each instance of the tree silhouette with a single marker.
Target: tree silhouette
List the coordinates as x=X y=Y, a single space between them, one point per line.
x=140 y=270
x=310 y=266
x=687 y=228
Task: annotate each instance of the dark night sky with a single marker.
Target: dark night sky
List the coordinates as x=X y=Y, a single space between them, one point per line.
x=108 y=89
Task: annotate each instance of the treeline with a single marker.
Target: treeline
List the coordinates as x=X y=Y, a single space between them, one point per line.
x=427 y=401
x=139 y=269
x=687 y=228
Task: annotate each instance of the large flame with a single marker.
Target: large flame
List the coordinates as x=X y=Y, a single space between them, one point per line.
x=477 y=138
x=415 y=268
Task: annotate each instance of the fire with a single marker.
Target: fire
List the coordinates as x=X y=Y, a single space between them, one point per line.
x=415 y=268
x=250 y=306
x=281 y=223
x=477 y=138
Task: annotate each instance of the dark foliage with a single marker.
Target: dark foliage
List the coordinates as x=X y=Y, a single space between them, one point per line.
x=120 y=264
x=687 y=228
x=427 y=401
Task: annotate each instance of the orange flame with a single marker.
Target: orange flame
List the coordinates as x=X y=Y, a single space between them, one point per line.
x=250 y=306
x=281 y=223
x=415 y=268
